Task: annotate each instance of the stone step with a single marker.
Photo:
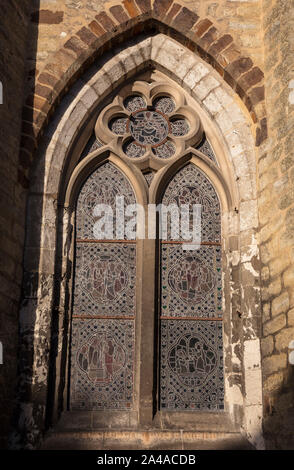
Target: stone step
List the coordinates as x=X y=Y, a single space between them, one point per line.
x=145 y=440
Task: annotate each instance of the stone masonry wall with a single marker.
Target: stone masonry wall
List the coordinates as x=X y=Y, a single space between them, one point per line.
x=276 y=213
x=13 y=40
x=261 y=30
x=71 y=33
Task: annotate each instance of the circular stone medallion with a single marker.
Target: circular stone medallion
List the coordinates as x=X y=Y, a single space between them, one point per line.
x=148 y=127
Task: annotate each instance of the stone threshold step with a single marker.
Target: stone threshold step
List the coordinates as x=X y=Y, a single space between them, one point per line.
x=156 y=440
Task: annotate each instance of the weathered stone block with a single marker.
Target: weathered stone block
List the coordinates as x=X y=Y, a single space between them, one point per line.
x=274 y=325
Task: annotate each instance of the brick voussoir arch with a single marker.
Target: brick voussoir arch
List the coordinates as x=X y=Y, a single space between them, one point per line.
x=117 y=24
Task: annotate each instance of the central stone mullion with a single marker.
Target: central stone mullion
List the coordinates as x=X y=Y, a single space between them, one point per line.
x=148 y=386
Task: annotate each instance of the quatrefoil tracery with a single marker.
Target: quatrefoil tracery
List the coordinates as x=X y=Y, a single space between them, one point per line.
x=149 y=123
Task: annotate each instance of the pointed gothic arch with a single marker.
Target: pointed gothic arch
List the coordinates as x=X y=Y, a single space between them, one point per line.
x=59 y=158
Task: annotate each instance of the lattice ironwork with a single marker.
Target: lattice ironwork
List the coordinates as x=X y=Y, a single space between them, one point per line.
x=165 y=104
x=134 y=103
x=179 y=127
x=191 y=282
x=190 y=186
x=102 y=187
x=191 y=366
x=148 y=127
x=102 y=360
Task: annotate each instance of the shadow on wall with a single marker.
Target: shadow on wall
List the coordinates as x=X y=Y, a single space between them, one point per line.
x=278 y=423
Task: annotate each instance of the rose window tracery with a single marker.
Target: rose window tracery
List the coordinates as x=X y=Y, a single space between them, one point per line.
x=150 y=122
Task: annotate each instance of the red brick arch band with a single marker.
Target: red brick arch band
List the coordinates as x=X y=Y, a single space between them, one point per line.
x=119 y=23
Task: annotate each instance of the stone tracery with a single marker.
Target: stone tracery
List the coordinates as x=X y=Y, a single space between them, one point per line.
x=149 y=122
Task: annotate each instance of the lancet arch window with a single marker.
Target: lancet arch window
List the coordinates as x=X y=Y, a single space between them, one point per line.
x=148 y=127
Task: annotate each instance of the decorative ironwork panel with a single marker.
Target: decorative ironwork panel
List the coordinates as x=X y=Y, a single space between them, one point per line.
x=190 y=186
x=191 y=282
x=102 y=361
x=148 y=127
x=102 y=187
x=134 y=103
x=165 y=104
x=105 y=279
x=191 y=366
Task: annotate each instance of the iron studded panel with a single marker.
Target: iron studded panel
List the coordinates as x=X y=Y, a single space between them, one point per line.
x=191 y=366
x=191 y=281
x=102 y=363
x=105 y=279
